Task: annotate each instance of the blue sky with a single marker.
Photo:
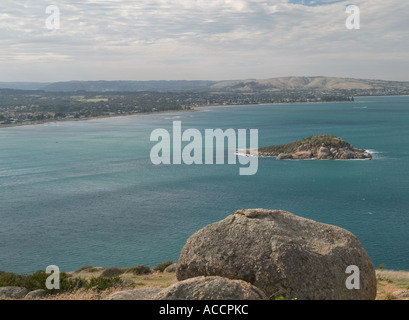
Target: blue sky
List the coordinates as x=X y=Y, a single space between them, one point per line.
x=202 y=39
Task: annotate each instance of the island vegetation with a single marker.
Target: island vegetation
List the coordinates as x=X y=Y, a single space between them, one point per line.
x=315 y=147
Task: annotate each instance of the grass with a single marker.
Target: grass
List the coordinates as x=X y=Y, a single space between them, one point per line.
x=89 y=284
x=129 y=281
x=392 y=285
x=139 y=270
x=38 y=279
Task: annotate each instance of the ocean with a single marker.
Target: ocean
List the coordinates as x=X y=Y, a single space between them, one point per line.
x=81 y=193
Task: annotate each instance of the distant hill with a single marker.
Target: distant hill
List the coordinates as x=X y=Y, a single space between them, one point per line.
x=236 y=86
x=23 y=85
x=309 y=83
x=129 y=86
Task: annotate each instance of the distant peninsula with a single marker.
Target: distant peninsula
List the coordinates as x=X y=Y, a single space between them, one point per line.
x=315 y=147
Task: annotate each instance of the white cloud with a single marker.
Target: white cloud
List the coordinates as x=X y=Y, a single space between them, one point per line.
x=202 y=39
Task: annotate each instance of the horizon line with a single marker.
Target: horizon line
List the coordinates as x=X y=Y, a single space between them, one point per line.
x=242 y=79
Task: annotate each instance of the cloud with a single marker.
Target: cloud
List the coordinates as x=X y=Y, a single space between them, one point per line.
x=202 y=39
x=314 y=3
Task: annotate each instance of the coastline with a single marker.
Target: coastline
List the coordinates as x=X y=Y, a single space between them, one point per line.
x=193 y=109
x=34 y=123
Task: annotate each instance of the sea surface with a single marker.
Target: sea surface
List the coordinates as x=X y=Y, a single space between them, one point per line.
x=86 y=192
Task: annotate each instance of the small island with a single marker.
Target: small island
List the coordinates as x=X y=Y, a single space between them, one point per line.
x=315 y=147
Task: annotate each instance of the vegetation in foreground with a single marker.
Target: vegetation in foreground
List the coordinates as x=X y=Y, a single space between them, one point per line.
x=94 y=283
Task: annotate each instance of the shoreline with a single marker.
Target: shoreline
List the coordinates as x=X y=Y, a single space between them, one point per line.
x=35 y=123
x=194 y=109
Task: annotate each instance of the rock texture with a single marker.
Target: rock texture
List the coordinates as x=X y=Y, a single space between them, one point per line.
x=172 y=268
x=281 y=254
x=137 y=294
x=7 y=293
x=315 y=147
x=36 y=294
x=211 y=288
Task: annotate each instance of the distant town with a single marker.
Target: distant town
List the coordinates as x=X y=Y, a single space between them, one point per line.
x=22 y=106
x=25 y=107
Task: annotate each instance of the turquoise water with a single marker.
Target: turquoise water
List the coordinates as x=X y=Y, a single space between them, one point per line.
x=86 y=193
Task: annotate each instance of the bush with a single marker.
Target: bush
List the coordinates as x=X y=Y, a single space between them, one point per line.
x=35 y=281
x=38 y=279
x=103 y=283
x=10 y=279
x=69 y=284
x=162 y=266
x=30 y=282
x=112 y=272
x=139 y=270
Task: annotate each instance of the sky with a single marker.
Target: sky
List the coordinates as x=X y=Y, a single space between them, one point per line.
x=201 y=40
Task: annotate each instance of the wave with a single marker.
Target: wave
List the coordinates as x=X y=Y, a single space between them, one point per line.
x=371 y=151
x=174 y=117
x=244 y=154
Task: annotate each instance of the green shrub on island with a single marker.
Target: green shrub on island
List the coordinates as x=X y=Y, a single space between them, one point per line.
x=162 y=266
x=139 y=270
x=317 y=141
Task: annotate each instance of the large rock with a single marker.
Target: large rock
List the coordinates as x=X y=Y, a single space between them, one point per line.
x=137 y=294
x=281 y=254
x=323 y=153
x=172 y=268
x=284 y=156
x=302 y=155
x=36 y=294
x=211 y=288
x=7 y=293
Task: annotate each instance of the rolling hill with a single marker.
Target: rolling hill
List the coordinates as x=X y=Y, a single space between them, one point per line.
x=237 y=86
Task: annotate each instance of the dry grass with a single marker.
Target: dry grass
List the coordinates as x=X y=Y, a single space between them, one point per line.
x=392 y=285
x=160 y=280
x=156 y=279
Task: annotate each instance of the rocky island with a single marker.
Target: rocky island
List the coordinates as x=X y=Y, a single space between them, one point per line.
x=315 y=147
